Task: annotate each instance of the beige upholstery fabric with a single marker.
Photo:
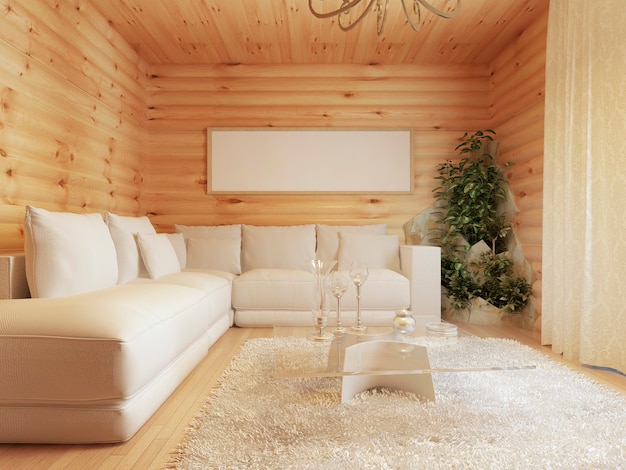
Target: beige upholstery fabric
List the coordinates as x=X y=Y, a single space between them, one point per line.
x=377 y=251
x=328 y=237
x=223 y=254
x=123 y=230
x=209 y=231
x=158 y=254
x=13 y=283
x=178 y=242
x=278 y=247
x=67 y=253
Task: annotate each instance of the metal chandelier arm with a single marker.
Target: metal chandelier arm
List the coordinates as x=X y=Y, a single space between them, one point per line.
x=345 y=6
x=381 y=12
x=352 y=24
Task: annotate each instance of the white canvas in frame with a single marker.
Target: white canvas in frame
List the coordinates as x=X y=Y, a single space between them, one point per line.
x=311 y=160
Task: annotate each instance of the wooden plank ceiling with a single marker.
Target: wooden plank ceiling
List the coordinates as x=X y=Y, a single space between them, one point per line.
x=285 y=32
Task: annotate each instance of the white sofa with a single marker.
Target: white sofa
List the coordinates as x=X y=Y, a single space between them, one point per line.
x=120 y=314
x=101 y=345
x=272 y=282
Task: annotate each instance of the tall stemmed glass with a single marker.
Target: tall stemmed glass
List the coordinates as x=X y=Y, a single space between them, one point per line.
x=358 y=273
x=319 y=308
x=338 y=285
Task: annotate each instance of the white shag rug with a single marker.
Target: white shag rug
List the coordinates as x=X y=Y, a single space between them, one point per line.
x=545 y=418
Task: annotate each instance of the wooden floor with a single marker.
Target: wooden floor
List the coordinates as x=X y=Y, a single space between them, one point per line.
x=151 y=447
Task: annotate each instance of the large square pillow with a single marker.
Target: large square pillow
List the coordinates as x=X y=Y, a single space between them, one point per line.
x=328 y=237
x=158 y=254
x=67 y=253
x=222 y=254
x=378 y=251
x=288 y=247
x=209 y=231
x=178 y=242
x=123 y=231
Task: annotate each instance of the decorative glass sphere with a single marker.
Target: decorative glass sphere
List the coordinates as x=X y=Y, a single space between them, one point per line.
x=403 y=322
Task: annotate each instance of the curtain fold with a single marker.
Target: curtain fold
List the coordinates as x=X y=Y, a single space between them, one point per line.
x=584 y=251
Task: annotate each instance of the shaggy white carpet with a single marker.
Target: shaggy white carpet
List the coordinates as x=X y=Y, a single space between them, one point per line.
x=545 y=418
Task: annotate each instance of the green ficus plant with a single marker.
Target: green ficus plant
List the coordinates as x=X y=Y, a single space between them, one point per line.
x=470 y=191
x=469 y=195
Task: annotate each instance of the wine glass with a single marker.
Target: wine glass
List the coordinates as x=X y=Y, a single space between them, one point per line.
x=321 y=320
x=358 y=273
x=338 y=285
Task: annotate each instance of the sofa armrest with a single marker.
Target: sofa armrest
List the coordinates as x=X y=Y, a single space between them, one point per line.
x=13 y=283
x=422 y=266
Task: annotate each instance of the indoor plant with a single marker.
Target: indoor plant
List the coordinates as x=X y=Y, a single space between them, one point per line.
x=472 y=229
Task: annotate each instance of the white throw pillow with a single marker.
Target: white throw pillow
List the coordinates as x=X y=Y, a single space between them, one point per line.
x=158 y=254
x=328 y=237
x=178 y=242
x=123 y=230
x=378 y=251
x=209 y=231
x=222 y=254
x=67 y=253
x=288 y=247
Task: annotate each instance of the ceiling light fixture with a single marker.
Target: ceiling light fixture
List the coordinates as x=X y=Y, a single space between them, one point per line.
x=347 y=18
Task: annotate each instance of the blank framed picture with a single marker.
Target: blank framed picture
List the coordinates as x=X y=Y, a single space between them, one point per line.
x=309 y=160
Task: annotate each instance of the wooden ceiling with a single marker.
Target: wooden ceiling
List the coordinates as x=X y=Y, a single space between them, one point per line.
x=286 y=32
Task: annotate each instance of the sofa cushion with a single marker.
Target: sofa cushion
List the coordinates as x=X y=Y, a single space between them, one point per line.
x=279 y=289
x=67 y=253
x=291 y=290
x=222 y=254
x=158 y=254
x=123 y=230
x=328 y=237
x=384 y=289
x=209 y=231
x=178 y=242
x=99 y=347
x=288 y=247
x=377 y=251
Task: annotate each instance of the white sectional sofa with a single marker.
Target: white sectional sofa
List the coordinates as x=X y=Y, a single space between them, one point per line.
x=120 y=315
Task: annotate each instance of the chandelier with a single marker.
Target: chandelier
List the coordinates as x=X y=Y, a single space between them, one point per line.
x=351 y=12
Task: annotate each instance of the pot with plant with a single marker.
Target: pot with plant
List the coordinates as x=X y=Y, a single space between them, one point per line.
x=472 y=229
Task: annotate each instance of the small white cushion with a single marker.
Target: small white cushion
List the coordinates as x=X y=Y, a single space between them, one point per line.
x=378 y=251
x=328 y=237
x=222 y=254
x=123 y=230
x=158 y=254
x=67 y=253
x=288 y=247
x=209 y=231
x=178 y=242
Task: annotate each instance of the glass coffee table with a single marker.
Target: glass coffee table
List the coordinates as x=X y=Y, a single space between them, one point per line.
x=381 y=357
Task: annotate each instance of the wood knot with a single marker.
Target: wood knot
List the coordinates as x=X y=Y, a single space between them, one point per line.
x=375 y=201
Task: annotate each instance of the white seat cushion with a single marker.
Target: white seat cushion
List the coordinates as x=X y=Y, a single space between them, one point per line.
x=261 y=289
x=288 y=289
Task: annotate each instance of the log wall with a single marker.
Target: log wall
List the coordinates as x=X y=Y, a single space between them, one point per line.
x=72 y=115
x=86 y=125
x=438 y=102
x=518 y=84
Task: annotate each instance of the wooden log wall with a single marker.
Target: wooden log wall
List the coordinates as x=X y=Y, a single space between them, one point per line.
x=518 y=83
x=72 y=114
x=86 y=125
x=438 y=103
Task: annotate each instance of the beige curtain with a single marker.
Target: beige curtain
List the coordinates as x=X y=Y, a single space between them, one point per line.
x=584 y=226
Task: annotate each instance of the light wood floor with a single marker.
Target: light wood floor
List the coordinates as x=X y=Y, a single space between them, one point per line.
x=151 y=447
